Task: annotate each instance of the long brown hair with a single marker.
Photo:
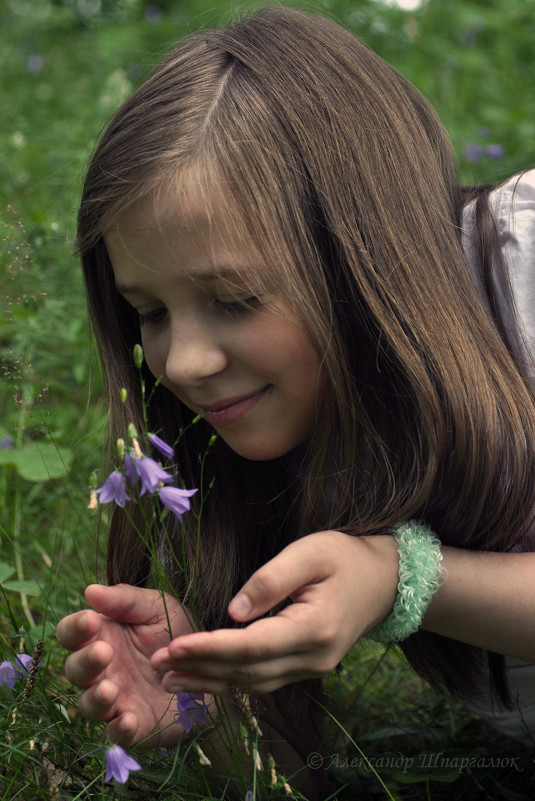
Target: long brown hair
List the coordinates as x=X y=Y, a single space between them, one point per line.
x=345 y=179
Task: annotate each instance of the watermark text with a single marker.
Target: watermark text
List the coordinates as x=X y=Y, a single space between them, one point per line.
x=405 y=764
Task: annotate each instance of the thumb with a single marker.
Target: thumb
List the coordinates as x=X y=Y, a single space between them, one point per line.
x=125 y=603
x=300 y=563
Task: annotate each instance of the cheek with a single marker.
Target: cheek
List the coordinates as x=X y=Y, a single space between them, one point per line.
x=276 y=340
x=300 y=357
x=155 y=354
x=304 y=374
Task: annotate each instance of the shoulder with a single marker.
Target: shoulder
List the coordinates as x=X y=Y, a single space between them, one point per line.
x=511 y=203
x=512 y=206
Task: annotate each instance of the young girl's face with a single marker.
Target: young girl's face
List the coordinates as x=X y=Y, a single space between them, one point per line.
x=244 y=361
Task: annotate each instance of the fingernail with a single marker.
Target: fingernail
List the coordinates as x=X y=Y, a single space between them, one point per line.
x=241 y=605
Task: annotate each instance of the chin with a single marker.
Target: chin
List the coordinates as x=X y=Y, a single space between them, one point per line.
x=258 y=452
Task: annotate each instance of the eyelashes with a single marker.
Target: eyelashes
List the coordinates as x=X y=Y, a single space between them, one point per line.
x=236 y=306
x=153 y=317
x=228 y=307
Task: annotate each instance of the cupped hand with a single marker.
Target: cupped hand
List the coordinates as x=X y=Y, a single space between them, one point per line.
x=112 y=647
x=339 y=586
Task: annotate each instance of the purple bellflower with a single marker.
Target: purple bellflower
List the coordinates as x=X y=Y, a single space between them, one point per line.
x=114 y=489
x=176 y=499
x=165 y=449
x=150 y=473
x=495 y=152
x=23 y=663
x=119 y=764
x=8 y=674
x=473 y=152
x=191 y=710
x=130 y=467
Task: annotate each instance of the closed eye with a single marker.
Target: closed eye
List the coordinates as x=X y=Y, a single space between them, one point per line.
x=152 y=317
x=235 y=306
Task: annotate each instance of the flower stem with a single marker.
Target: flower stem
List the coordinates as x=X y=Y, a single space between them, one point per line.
x=16 y=514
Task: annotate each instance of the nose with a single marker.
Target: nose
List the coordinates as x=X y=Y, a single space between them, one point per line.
x=195 y=353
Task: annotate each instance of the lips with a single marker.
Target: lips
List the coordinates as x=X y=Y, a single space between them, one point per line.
x=231 y=410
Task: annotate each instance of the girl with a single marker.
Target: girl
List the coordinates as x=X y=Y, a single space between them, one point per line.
x=275 y=213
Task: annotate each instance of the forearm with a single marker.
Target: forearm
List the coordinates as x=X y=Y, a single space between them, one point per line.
x=487 y=600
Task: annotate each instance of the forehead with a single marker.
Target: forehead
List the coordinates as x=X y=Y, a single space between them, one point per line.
x=186 y=232
x=189 y=206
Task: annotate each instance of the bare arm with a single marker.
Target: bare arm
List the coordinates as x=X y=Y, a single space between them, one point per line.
x=341 y=587
x=488 y=600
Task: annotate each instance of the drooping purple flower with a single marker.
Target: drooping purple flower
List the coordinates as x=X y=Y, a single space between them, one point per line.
x=23 y=663
x=176 y=499
x=473 y=152
x=495 y=152
x=191 y=710
x=165 y=449
x=8 y=674
x=119 y=764
x=114 y=489
x=130 y=468
x=151 y=474
x=6 y=442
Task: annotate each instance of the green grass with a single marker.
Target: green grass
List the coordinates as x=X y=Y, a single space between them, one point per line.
x=64 y=70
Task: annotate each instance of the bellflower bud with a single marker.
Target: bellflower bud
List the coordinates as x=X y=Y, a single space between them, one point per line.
x=138 y=356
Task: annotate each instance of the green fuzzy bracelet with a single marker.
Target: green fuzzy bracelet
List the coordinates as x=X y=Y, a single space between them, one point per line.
x=420 y=575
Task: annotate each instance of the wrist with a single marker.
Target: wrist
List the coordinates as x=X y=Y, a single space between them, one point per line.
x=383 y=557
x=420 y=574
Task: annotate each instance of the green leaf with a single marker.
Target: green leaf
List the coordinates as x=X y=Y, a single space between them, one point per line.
x=6 y=571
x=38 y=461
x=63 y=712
x=28 y=587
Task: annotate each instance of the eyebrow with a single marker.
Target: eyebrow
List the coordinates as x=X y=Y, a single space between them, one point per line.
x=126 y=289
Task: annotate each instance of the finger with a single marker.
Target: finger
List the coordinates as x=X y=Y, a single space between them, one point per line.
x=76 y=630
x=122 y=730
x=210 y=652
x=277 y=674
x=175 y=682
x=300 y=563
x=125 y=603
x=85 y=665
x=98 y=702
x=262 y=677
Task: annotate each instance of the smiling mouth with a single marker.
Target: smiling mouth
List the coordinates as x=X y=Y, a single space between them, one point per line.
x=232 y=410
